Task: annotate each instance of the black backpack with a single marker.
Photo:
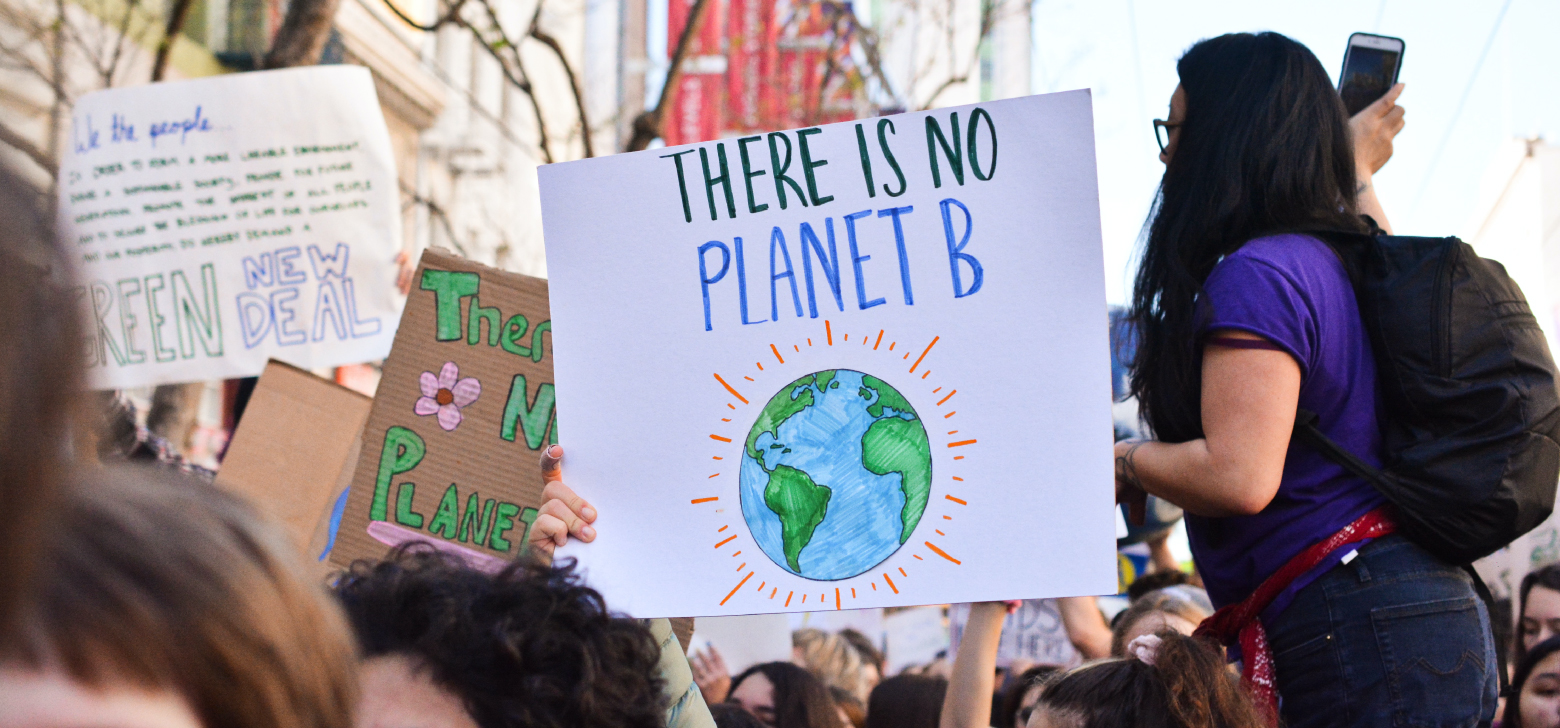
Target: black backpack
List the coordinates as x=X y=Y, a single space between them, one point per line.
x=1469 y=413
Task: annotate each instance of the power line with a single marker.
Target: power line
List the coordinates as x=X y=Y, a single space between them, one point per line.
x=1467 y=91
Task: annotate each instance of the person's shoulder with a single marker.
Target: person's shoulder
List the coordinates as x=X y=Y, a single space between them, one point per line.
x=1293 y=253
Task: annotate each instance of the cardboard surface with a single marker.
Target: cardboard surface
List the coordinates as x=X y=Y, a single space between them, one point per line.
x=457 y=458
x=297 y=440
x=868 y=362
x=224 y=221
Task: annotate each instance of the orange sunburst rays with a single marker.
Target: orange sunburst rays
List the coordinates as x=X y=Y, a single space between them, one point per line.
x=744 y=387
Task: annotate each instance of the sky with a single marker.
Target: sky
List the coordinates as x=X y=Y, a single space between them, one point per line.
x=1125 y=51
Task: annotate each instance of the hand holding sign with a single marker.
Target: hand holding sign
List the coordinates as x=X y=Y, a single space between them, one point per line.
x=564 y=514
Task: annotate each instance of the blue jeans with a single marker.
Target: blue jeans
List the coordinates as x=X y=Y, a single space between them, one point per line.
x=1396 y=637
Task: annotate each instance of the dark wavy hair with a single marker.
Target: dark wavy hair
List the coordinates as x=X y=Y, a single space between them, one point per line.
x=1188 y=686
x=531 y=646
x=1512 y=718
x=1264 y=149
x=800 y=699
x=907 y=701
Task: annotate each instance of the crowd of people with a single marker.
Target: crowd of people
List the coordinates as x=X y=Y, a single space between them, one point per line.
x=139 y=597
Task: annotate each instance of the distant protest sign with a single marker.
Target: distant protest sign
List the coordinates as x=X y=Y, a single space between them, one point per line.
x=851 y=366
x=1033 y=635
x=224 y=221
x=451 y=450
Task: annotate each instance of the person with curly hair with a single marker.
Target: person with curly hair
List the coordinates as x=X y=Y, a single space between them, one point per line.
x=444 y=643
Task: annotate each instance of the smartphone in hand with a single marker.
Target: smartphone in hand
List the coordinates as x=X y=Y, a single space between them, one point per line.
x=1370 y=69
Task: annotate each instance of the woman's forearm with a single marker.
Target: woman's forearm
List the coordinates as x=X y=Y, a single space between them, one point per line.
x=968 y=704
x=1193 y=477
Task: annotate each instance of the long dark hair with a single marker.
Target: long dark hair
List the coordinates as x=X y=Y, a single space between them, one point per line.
x=1513 y=715
x=1264 y=149
x=801 y=700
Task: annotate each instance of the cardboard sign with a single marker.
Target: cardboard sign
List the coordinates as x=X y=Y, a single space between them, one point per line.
x=224 y=221
x=295 y=448
x=465 y=406
x=868 y=363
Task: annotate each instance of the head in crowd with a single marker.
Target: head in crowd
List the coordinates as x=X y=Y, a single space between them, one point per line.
x=783 y=695
x=832 y=659
x=1538 y=617
x=1155 y=581
x=529 y=646
x=1154 y=612
x=1186 y=686
x=164 y=602
x=1262 y=146
x=731 y=715
x=853 y=712
x=871 y=656
x=907 y=701
x=1535 y=689
x=40 y=374
x=1022 y=695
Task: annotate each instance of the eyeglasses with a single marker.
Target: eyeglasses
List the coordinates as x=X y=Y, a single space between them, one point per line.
x=1162 y=132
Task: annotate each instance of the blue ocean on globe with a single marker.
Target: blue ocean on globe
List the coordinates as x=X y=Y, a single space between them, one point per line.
x=863 y=522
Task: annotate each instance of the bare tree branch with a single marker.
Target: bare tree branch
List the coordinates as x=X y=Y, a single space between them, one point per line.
x=988 y=20
x=20 y=143
x=176 y=17
x=523 y=81
x=647 y=125
x=302 y=35
x=574 y=81
x=119 y=45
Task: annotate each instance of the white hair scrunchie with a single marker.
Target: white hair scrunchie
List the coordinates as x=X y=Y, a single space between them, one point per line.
x=1145 y=648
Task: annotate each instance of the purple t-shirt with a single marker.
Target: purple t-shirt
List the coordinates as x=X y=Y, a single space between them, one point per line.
x=1293 y=291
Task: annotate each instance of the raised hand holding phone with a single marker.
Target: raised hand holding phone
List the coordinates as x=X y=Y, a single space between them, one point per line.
x=1373 y=130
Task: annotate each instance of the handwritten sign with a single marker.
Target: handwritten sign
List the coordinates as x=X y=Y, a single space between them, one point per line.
x=224 y=221
x=1034 y=635
x=466 y=404
x=851 y=366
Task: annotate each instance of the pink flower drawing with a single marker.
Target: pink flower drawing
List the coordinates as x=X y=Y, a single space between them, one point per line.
x=445 y=394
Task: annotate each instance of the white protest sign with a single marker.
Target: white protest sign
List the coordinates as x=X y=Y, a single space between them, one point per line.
x=1035 y=634
x=224 y=221
x=851 y=366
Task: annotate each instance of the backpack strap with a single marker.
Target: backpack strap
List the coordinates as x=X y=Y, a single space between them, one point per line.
x=1307 y=432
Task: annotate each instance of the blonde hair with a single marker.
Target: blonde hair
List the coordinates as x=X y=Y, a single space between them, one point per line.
x=170 y=584
x=833 y=660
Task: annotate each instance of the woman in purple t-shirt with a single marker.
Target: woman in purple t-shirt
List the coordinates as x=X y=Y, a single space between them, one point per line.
x=1243 y=321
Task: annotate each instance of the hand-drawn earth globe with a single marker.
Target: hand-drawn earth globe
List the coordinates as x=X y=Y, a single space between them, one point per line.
x=835 y=474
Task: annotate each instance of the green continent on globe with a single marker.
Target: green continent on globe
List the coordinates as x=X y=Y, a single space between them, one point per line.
x=892 y=445
x=896 y=445
x=780 y=408
x=887 y=397
x=801 y=505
